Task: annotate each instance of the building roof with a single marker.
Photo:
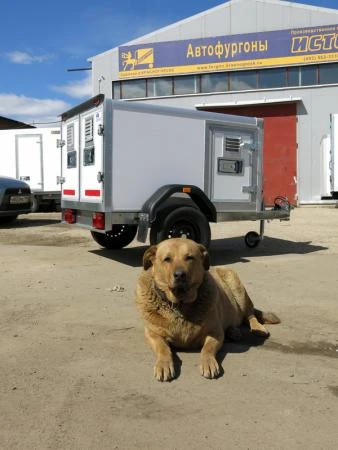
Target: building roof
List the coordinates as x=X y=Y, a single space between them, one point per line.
x=8 y=124
x=222 y=8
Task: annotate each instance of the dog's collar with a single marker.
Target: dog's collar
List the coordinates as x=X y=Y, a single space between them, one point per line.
x=171 y=305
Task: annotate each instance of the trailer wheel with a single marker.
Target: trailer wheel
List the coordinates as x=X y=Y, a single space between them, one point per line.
x=118 y=237
x=185 y=222
x=252 y=239
x=35 y=204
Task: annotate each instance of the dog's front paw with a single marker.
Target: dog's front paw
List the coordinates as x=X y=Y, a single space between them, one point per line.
x=164 y=370
x=209 y=367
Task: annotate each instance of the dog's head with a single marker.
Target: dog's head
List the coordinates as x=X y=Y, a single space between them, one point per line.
x=178 y=268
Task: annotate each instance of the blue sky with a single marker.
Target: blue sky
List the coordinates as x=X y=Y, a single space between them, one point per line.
x=40 y=40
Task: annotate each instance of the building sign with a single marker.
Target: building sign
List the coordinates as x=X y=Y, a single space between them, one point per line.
x=241 y=51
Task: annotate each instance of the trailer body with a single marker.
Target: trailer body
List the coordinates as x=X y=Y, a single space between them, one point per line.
x=128 y=163
x=32 y=156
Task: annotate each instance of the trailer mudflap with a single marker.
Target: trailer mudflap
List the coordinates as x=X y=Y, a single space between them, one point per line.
x=143 y=225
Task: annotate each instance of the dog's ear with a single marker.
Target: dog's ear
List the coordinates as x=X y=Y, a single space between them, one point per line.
x=148 y=257
x=205 y=257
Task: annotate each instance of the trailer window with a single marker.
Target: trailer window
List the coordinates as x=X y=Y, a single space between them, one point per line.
x=229 y=166
x=89 y=149
x=71 y=153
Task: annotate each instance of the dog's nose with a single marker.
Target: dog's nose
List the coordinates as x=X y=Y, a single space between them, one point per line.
x=180 y=275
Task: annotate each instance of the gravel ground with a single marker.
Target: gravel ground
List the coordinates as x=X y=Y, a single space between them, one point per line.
x=76 y=372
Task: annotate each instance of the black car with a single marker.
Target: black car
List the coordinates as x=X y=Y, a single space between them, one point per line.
x=15 y=199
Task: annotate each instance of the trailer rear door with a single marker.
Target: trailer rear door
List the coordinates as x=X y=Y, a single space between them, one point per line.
x=82 y=157
x=91 y=168
x=29 y=160
x=70 y=159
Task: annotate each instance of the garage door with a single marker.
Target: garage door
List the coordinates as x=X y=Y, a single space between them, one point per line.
x=280 y=147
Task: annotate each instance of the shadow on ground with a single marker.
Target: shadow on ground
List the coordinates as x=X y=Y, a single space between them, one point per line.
x=222 y=251
x=228 y=251
x=25 y=222
x=247 y=341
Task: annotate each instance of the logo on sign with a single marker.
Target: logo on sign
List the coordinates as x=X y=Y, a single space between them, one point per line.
x=143 y=56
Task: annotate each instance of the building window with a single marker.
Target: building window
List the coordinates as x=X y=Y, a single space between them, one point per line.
x=134 y=89
x=328 y=73
x=292 y=74
x=242 y=81
x=214 y=82
x=272 y=78
x=227 y=81
x=160 y=87
x=308 y=75
x=186 y=85
x=117 y=90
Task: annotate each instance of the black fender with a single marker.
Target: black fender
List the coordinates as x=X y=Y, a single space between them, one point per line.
x=154 y=203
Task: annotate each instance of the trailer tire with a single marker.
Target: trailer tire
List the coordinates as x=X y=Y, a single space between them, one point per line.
x=118 y=237
x=35 y=204
x=184 y=221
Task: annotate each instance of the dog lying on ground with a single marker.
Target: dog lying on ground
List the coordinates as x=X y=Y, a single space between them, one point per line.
x=185 y=305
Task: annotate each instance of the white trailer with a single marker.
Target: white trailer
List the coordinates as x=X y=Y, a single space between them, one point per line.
x=129 y=166
x=31 y=155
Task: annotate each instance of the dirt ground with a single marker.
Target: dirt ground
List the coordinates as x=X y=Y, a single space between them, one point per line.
x=76 y=373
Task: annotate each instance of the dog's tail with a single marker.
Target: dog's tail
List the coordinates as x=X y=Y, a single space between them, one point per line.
x=266 y=317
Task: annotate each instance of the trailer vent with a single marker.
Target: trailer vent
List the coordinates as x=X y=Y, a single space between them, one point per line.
x=89 y=151
x=232 y=144
x=70 y=137
x=71 y=153
x=89 y=125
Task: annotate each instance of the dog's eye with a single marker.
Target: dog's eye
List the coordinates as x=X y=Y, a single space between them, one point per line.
x=189 y=258
x=167 y=259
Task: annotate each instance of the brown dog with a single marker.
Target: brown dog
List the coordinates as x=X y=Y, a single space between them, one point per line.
x=185 y=305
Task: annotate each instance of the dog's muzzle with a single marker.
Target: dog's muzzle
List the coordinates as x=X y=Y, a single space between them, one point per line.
x=180 y=283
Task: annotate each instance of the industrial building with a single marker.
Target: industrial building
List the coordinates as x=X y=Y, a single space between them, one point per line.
x=265 y=58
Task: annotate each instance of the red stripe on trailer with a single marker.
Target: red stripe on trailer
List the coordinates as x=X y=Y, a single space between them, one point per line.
x=92 y=192
x=69 y=191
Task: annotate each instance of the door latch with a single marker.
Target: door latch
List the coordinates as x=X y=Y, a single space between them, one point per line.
x=60 y=143
x=249 y=189
x=60 y=180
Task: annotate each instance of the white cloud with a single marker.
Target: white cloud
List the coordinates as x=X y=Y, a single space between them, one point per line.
x=18 y=57
x=31 y=110
x=77 y=89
